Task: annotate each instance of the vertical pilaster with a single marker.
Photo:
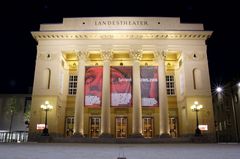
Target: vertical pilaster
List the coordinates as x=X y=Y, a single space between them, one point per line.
x=105 y=108
x=79 y=100
x=163 y=102
x=137 y=106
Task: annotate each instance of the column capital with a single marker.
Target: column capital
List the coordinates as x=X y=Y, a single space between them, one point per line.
x=106 y=55
x=82 y=55
x=160 y=55
x=136 y=55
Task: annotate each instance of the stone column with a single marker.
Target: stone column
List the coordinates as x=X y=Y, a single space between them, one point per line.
x=105 y=109
x=163 y=100
x=137 y=104
x=79 y=100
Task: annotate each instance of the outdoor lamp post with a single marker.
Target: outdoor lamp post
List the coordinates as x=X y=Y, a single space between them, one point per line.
x=196 y=107
x=46 y=107
x=219 y=89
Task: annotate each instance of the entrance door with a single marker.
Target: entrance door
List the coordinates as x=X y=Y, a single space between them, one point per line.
x=173 y=126
x=69 y=122
x=95 y=123
x=147 y=127
x=121 y=127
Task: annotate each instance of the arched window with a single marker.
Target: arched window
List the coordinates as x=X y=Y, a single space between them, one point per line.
x=197 y=79
x=46 y=78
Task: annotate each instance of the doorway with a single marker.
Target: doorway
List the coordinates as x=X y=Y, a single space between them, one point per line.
x=148 y=127
x=95 y=127
x=173 y=126
x=69 y=123
x=121 y=127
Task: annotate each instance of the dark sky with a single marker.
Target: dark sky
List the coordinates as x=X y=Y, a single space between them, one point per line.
x=19 y=18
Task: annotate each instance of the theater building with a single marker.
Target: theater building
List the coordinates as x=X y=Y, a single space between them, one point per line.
x=121 y=77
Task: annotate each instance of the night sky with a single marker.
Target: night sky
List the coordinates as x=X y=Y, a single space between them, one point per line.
x=19 y=18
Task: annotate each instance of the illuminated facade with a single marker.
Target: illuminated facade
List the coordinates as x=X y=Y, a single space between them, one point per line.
x=122 y=77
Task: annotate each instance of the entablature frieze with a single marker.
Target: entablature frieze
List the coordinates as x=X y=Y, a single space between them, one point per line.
x=148 y=58
x=129 y=55
x=147 y=55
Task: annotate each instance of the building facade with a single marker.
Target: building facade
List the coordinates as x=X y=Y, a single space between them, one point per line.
x=14 y=117
x=122 y=77
x=226 y=106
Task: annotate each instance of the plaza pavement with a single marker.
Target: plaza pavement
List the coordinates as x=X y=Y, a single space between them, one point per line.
x=113 y=151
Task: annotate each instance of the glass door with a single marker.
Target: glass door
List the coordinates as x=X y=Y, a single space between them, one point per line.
x=121 y=127
x=173 y=126
x=147 y=127
x=95 y=124
x=69 y=123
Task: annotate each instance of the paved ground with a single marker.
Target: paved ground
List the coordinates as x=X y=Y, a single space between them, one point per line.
x=113 y=151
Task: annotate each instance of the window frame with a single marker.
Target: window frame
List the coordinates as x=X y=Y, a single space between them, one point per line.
x=72 y=85
x=170 y=85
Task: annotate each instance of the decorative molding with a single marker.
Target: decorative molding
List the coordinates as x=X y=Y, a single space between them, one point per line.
x=82 y=55
x=160 y=55
x=101 y=35
x=94 y=112
x=146 y=112
x=107 y=55
x=136 y=55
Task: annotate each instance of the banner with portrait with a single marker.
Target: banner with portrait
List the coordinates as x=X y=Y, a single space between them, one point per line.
x=121 y=86
x=93 y=85
x=149 y=85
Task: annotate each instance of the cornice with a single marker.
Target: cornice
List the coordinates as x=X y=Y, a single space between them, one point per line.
x=112 y=35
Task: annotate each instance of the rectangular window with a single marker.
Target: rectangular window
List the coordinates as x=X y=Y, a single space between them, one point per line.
x=170 y=85
x=72 y=85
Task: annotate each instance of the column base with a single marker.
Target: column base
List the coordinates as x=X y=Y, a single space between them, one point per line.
x=165 y=135
x=136 y=135
x=105 y=135
x=78 y=135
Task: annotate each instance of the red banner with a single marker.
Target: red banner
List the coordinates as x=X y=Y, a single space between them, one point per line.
x=121 y=86
x=149 y=85
x=93 y=85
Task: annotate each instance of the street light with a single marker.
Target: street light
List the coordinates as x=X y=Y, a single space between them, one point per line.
x=196 y=107
x=219 y=89
x=46 y=107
